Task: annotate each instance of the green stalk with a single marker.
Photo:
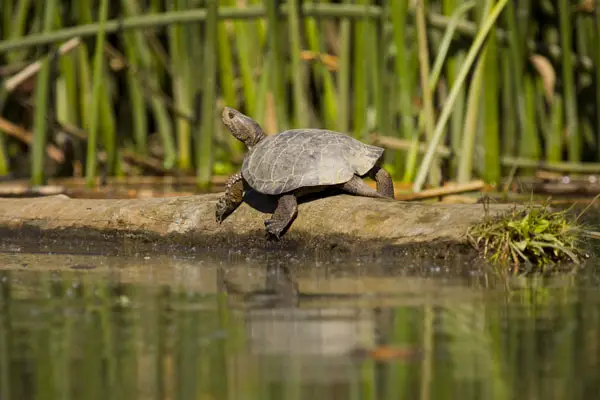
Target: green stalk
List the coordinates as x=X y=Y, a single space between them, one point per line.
x=205 y=136
x=260 y=25
x=323 y=77
x=438 y=65
x=277 y=78
x=518 y=30
x=442 y=51
x=529 y=143
x=41 y=106
x=84 y=84
x=181 y=78
x=226 y=67
x=555 y=136
x=465 y=164
x=584 y=34
x=491 y=136
x=381 y=80
x=152 y=20
x=3 y=156
x=344 y=76
x=227 y=79
x=195 y=39
x=509 y=117
x=597 y=15
x=434 y=172
x=181 y=83
x=300 y=111
x=445 y=115
x=572 y=128
x=453 y=65
x=360 y=92
x=147 y=64
x=246 y=42
x=329 y=91
x=399 y=15
x=67 y=92
x=94 y=111
x=263 y=88
x=7 y=20
x=16 y=26
x=136 y=95
x=107 y=124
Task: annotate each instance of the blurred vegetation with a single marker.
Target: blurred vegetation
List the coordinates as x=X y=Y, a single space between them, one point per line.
x=130 y=87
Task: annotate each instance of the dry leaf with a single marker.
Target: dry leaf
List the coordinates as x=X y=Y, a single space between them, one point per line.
x=586 y=6
x=544 y=67
x=331 y=62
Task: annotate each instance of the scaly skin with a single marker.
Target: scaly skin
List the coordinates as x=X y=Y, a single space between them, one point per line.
x=383 y=179
x=232 y=198
x=286 y=211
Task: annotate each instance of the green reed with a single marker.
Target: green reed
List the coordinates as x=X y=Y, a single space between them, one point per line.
x=476 y=82
x=43 y=83
x=179 y=51
x=205 y=133
x=94 y=105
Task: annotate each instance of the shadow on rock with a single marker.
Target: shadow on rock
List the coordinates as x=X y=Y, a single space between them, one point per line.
x=266 y=203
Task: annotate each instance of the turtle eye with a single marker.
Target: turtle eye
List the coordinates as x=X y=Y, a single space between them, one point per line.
x=231 y=114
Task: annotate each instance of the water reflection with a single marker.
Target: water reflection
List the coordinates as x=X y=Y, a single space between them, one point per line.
x=77 y=327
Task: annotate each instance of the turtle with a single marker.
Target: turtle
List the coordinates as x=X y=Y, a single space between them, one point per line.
x=296 y=162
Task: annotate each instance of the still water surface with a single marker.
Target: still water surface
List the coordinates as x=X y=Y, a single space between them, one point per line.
x=91 y=327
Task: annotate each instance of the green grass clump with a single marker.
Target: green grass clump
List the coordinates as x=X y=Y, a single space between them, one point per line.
x=529 y=239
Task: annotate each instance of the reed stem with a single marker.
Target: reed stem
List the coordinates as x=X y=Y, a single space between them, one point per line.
x=429 y=116
x=42 y=93
x=571 y=118
x=406 y=80
x=344 y=76
x=277 y=83
x=204 y=141
x=445 y=115
x=94 y=107
x=181 y=77
x=298 y=78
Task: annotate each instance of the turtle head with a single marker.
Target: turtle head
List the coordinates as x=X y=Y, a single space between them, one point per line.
x=244 y=128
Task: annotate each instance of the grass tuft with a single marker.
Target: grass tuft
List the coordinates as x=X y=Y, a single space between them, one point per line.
x=528 y=239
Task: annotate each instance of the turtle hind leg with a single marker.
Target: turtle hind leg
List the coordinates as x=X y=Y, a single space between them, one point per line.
x=286 y=211
x=232 y=198
x=358 y=187
x=385 y=184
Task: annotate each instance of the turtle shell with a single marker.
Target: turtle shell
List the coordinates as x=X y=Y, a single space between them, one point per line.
x=306 y=157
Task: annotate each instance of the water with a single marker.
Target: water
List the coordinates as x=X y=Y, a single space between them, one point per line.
x=90 y=327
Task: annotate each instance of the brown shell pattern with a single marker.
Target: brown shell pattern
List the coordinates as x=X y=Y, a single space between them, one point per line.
x=306 y=157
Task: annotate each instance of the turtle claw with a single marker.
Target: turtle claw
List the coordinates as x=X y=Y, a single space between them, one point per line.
x=221 y=211
x=274 y=229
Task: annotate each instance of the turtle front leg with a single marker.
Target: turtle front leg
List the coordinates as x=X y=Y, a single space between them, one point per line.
x=286 y=211
x=232 y=198
x=383 y=179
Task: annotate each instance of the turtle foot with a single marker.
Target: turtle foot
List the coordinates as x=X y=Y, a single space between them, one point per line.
x=282 y=217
